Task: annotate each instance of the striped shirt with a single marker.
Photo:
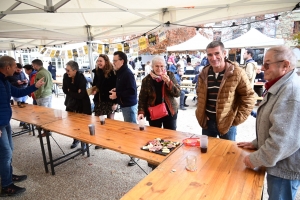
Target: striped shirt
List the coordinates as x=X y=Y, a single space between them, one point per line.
x=213 y=84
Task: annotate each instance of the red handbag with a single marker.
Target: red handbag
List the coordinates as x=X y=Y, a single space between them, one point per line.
x=160 y=110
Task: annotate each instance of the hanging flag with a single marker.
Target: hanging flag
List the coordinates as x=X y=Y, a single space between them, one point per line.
x=120 y=47
x=43 y=50
x=57 y=53
x=63 y=54
x=135 y=46
x=142 y=43
x=70 y=56
x=52 y=54
x=86 y=50
x=100 y=48
x=126 y=48
x=80 y=52
x=106 y=48
x=152 y=39
x=47 y=54
x=162 y=35
x=75 y=53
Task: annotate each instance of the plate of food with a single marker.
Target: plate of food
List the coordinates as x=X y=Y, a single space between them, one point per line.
x=160 y=146
x=195 y=142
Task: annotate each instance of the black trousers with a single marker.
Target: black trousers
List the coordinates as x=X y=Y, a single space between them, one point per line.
x=168 y=122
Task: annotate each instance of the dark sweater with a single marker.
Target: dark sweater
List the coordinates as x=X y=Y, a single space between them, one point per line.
x=104 y=85
x=6 y=91
x=71 y=91
x=126 y=87
x=18 y=76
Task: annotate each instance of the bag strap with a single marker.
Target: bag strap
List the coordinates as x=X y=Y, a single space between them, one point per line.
x=163 y=88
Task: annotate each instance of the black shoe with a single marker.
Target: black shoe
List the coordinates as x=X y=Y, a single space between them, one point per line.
x=98 y=147
x=11 y=190
x=185 y=105
x=16 y=178
x=131 y=163
x=182 y=108
x=25 y=126
x=21 y=124
x=152 y=166
x=74 y=144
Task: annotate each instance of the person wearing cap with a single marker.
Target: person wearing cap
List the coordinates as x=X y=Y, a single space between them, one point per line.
x=31 y=73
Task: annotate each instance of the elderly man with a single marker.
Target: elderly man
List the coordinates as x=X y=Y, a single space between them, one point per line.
x=277 y=125
x=7 y=68
x=225 y=96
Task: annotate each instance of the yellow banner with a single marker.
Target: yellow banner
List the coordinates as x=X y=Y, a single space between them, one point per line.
x=120 y=47
x=143 y=43
x=100 y=48
x=126 y=48
x=86 y=50
x=70 y=56
x=57 y=53
x=52 y=53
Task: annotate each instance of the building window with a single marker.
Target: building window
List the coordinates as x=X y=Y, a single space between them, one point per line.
x=296 y=27
x=217 y=35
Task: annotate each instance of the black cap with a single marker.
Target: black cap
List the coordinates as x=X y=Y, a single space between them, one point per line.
x=28 y=67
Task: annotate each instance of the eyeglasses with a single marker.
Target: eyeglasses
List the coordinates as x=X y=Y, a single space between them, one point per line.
x=115 y=60
x=267 y=65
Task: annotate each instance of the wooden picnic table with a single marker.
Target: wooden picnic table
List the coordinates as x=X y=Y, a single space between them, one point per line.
x=220 y=174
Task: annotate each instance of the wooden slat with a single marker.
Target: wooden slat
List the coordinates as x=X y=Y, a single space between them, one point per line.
x=221 y=174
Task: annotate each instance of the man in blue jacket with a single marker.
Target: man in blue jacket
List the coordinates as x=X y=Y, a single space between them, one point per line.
x=125 y=91
x=7 y=68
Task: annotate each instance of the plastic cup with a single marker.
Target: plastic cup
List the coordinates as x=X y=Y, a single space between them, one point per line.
x=142 y=124
x=102 y=119
x=58 y=114
x=92 y=129
x=256 y=80
x=191 y=163
x=203 y=143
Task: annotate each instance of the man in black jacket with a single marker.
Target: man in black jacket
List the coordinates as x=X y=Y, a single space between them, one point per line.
x=125 y=91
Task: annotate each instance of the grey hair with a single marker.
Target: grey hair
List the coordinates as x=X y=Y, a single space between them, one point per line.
x=73 y=65
x=157 y=59
x=284 y=53
x=6 y=60
x=214 y=44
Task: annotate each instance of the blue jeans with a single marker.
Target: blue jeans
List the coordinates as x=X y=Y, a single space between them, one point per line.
x=130 y=113
x=282 y=189
x=21 y=99
x=6 y=149
x=212 y=131
x=46 y=101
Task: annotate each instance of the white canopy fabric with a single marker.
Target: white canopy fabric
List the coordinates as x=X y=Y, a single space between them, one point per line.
x=29 y=23
x=198 y=42
x=253 y=38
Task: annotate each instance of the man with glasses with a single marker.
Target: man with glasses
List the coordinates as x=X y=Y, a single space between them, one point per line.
x=125 y=91
x=225 y=96
x=278 y=121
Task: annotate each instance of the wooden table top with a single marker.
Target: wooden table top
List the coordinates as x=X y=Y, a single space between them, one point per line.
x=221 y=174
x=36 y=115
x=116 y=135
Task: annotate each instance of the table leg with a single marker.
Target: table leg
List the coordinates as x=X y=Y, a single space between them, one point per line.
x=32 y=128
x=50 y=153
x=43 y=150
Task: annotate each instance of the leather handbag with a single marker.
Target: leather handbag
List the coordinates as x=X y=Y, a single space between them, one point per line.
x=160 y=110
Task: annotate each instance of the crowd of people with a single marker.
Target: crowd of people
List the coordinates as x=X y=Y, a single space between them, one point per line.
x=225 y=99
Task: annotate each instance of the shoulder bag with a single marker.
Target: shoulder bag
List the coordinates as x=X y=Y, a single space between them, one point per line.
x=160 y=110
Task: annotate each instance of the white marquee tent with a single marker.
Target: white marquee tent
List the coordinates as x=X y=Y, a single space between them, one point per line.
x=29 y=23
x=198 y=42
x=253 y=38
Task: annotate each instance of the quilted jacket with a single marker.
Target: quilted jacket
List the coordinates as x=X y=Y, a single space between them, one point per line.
x=235 y=99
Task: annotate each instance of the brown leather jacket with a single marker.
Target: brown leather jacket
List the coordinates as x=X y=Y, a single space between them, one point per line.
x=147 y=95
x=235 y=98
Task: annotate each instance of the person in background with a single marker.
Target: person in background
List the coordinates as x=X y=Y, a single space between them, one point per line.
x=125 y=91
x=198 y=68
x=204 y=61
x=151 y=94
x=189 y=70
x=182 y=100
x=132 y=63
x=277 y=125
x=52 y=70
x=74 y=86
x=7 y=68
x=259 y=78
x=188 y=59
x=19 y=80
x=172 y=68
x=31 y=74
x=225 y=96
x=148 y=68
x=250 y=66
x=105 y=80
x=172 y=59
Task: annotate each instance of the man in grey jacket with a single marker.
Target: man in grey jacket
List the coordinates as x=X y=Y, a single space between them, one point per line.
x=277 y=125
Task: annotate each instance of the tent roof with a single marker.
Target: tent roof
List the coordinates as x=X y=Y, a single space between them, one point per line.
x=253 y=38
x=28 y=23
x=198 y=42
